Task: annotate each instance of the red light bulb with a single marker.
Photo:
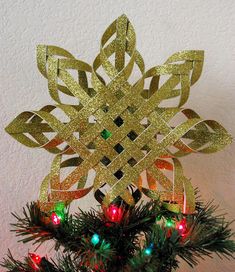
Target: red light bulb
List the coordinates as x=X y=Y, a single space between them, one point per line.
x=182 y=226
x=55 y=219
x=96 y=267
x=114 y=213
x=35 y=261
x=35 y=258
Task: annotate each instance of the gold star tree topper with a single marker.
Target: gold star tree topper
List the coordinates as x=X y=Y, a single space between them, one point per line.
x=121 y=130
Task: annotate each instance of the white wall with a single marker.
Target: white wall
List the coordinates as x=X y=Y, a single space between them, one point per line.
x=163 y=27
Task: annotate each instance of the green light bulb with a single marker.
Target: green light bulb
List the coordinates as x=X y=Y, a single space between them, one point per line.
x=169 y=223
x=60 y=210
x=60 y=215
x=59 y=206
x=158 y=218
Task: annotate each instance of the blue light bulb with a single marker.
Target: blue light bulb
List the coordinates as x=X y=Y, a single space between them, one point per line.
x=95 y=239
x=148 y=251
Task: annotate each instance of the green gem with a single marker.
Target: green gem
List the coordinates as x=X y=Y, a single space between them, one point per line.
x=105 y=134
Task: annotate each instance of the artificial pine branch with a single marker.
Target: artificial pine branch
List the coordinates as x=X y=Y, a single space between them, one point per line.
x=120 y=247
x=13 y=265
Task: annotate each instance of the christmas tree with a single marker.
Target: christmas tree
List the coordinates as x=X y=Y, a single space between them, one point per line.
x=132 y=142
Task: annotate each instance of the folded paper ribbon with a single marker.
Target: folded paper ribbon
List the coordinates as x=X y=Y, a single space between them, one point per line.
x=118 y=128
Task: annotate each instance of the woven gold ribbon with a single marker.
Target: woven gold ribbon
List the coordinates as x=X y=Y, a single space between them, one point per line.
x=118 y=128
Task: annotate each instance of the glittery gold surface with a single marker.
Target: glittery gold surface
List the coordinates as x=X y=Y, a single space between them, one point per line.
x=140 y=136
